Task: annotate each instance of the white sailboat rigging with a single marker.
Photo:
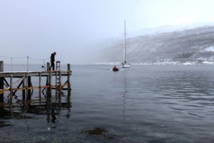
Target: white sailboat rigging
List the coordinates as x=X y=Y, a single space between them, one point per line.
x=124 y=63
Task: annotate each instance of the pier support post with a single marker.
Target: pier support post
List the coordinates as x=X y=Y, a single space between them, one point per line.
x=69 y=90
x=26 y=89
x=29 y=90
x=48 y=66
x=11 y=91
x=23 y=92
x=1 y=87
x=69 y=82
x=49 y=89
x=1 y=66
x=40 y=88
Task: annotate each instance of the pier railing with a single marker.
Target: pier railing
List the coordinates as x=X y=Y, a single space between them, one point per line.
x=28 y=60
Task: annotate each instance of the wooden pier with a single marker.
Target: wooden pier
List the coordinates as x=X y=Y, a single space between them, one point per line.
x=21 y=81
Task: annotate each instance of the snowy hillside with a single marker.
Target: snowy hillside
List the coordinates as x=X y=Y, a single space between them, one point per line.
x=191 y=45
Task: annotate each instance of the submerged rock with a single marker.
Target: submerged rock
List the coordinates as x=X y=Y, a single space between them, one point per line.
x=100 y=132
x=96 y=131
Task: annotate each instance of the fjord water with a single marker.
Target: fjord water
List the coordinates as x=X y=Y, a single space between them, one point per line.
x=141 y=104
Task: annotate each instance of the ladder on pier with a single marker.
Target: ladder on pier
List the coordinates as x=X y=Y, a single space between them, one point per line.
x=58 y=65
x=58 y=78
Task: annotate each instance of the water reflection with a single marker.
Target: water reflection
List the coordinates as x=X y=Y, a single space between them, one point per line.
x=53 y=113
x=124 y=98
x=48 y=108
x=125 y=92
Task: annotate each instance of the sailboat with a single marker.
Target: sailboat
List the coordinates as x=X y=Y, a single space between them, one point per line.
x=124 y=63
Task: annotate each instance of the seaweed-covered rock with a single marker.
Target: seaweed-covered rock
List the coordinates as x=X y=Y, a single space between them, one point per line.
x=96 y=131
x=100 y=132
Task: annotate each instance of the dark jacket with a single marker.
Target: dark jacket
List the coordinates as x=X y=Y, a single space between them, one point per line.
x=52 y=57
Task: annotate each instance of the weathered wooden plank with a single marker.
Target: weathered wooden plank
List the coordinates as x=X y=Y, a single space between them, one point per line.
x=21 y=74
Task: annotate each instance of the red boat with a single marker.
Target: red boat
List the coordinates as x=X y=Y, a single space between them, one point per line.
x=115 y=68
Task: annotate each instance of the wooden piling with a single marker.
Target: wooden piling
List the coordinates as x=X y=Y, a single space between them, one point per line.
x=23 y=92
x=1 y=88
x=69 y=87
x=1 y=81
x=40 y=87
x=50 y=85
x=11 y=90
x=26 y=88
x=69 y=74
x=48 y=66
x=1 y=66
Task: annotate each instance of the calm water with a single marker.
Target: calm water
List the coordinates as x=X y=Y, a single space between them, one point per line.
x=143 y=104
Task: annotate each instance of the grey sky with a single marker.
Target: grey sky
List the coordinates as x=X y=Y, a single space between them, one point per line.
x=35 y=28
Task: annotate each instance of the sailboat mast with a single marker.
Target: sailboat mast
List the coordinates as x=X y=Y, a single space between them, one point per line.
x=125 y=64
x=125 y=39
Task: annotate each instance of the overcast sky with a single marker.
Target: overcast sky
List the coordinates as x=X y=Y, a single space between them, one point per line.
x=36 y=28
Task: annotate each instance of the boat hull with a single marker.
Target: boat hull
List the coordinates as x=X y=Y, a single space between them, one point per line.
x=126 y=66
x=115 y=69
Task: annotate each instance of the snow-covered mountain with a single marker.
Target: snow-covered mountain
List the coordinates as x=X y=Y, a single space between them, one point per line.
x=195 y=45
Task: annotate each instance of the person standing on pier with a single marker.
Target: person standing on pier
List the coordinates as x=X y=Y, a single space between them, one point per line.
x=53 y=61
